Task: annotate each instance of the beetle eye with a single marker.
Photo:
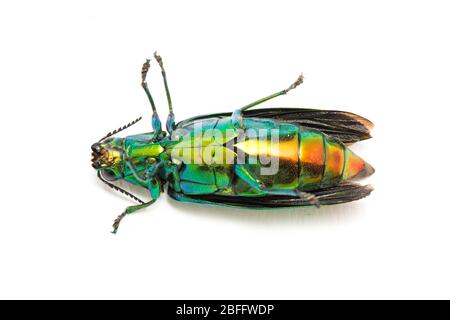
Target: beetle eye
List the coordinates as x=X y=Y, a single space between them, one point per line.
x=109 y=175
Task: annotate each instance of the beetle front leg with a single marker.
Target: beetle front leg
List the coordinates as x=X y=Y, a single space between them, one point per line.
x=154 y=188
x=129 y=210
x=155 y=191
x=156 y=122
x=170 y=123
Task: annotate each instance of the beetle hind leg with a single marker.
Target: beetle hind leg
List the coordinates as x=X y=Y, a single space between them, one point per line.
x=242 y=172
x=309 y=197
x=237 y=116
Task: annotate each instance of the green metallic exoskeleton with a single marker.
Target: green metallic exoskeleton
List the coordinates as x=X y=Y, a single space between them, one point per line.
x=263 y=158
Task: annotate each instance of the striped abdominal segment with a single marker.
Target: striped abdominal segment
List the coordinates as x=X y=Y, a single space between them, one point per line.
x=312 y=159
x=325 y=162
x=355 y=167
x=316 y=159
x=334 y=163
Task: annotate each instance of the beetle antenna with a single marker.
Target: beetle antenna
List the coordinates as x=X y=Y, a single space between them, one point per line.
x=120 y=129
x=113 y=186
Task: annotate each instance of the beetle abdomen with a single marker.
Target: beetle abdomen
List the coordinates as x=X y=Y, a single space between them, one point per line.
x=282 y=157
x=326 y=162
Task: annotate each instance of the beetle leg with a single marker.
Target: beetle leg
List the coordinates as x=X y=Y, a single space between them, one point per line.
x=152 y=180
x=129 y=210
x=236 y=117
x=312 y=199
x=173 y=171
x=170 y=123
x=154 y=188
x=156 y=123
x=243 y=173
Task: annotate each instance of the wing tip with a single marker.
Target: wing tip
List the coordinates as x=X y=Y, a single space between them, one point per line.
x=366 y=190
x=363 y=121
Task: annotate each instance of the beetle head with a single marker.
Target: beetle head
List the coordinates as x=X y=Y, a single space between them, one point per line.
x=107 y=157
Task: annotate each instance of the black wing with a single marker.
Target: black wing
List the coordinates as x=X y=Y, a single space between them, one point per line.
x=345 y=126
x=342 y=193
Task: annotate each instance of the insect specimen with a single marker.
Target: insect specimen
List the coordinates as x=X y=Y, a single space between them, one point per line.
x=258 y=158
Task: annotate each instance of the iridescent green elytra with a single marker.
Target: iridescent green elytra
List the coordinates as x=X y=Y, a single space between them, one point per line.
x=262 y=158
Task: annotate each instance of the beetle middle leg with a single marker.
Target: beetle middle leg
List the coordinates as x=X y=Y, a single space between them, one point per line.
x=237 y=116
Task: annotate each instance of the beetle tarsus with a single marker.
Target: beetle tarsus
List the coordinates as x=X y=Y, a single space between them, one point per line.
x=298 y=82
x=144 y=71
x=117 y=222
x=237 y=114
x=309 y=197
x=159 y=60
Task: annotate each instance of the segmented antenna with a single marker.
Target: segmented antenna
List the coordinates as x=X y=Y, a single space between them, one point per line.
x=120 y=129
x=132 y=196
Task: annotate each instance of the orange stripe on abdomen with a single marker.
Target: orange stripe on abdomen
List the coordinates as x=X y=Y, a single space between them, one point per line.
x=334 y=162
x=312 y=160
x=325 y=162
x=355 y=167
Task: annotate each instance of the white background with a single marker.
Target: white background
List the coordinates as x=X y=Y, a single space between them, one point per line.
x=70 y=72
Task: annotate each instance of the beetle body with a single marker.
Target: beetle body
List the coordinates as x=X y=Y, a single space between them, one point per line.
x=262 y=158
x=305 y=159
